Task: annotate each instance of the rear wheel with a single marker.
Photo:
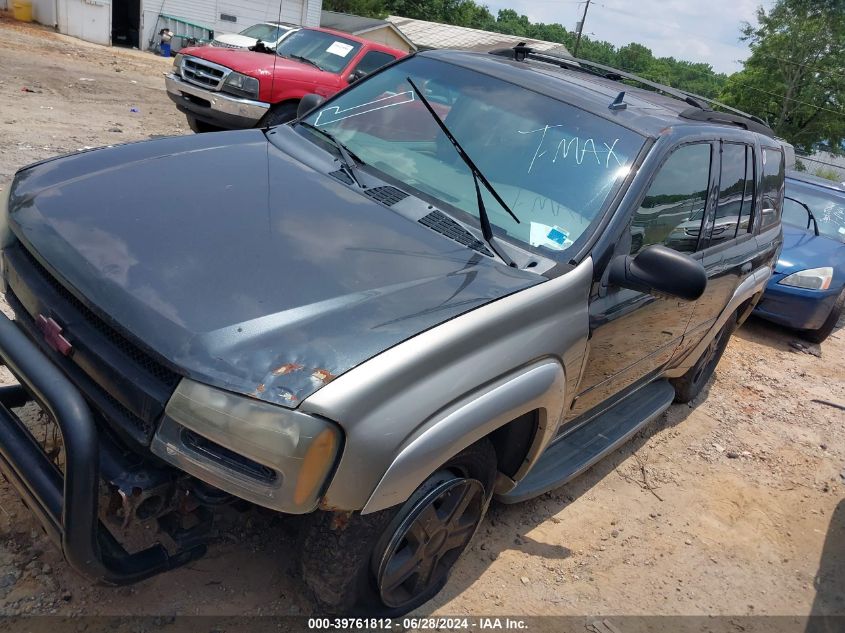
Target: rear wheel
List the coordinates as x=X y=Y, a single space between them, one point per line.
x=688 y=386
x=278 y=114
x=819 y=335
x=390 y=562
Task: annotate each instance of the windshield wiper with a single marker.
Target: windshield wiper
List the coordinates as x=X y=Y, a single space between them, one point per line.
x=346 y=157
x=477 y=177
x=300 y=58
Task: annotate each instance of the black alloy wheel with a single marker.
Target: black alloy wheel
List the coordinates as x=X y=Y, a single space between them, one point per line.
x=428 y=540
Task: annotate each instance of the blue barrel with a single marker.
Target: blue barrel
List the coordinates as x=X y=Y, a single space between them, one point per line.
x=165 y=49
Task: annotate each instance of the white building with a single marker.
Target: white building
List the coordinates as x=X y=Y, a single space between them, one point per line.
x=137 y=22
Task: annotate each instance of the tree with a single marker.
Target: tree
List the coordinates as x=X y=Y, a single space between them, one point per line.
x=795 y=76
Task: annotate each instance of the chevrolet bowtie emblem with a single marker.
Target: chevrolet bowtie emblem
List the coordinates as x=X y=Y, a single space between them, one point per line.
x=52 y=332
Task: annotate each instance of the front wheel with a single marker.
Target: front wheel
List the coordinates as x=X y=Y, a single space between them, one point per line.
x=278 y=114
x=819 y=335
x=390 y=562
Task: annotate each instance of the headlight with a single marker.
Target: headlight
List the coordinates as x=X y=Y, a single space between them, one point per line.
x=812 y=278
x=177 y=63
x=258 y=451
x=241 y=85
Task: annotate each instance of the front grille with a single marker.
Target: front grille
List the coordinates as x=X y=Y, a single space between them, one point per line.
x=443 y=224
x=107 y=404
x=202 y=74
x=155 y=369
x=128 y=385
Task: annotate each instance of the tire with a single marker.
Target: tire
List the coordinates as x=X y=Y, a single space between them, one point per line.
x=201 y=127
x=278 y=114
x=688 y=386
x=819 y=335
x=350 y=562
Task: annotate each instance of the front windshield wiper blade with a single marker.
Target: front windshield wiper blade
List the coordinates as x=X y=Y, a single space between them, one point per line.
x=346 y=157
x=300 y=58
x=477 y=177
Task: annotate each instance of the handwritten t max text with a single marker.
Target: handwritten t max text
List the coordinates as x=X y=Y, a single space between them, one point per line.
x=580 y=149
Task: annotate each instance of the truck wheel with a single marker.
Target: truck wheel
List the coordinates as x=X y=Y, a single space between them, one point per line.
x=200 y=127
x=688 y=386
x=819 y=335
x=278 y=114
x=390 y=562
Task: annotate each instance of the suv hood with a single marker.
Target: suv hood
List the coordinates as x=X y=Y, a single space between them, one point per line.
x=241 y=266
x=802 y=249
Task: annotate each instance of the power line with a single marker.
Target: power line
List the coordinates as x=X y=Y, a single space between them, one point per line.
x=774 y=94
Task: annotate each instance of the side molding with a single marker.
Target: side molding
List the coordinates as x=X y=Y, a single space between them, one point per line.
x=539 y=387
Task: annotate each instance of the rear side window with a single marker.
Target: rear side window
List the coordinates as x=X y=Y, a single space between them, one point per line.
x=373 y=61
x=672 y=211
x=736 y=193
x=772 y=187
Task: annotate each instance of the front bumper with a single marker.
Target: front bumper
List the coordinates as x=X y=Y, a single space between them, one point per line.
x=797 y=308
x=66 y=504
x=215 y=108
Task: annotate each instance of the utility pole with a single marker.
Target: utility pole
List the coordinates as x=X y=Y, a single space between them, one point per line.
x=580 y=28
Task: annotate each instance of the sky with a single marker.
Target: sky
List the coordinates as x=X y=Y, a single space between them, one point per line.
x=693 y=30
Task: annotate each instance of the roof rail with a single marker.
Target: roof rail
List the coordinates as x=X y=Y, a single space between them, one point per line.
x=699 y=111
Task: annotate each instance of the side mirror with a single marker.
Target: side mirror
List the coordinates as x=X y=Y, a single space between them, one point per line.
x=660 y=270
x=355 y=76
x=308 y=103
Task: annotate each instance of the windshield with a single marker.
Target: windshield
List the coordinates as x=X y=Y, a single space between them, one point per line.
x=327 y=51
x=553 y=164
x=827 y=205
x=265 y=32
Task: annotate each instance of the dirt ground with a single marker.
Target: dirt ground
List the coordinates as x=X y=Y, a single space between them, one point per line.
x=733 y=505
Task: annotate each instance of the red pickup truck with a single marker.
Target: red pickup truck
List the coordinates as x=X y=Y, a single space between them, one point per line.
x=221 y=88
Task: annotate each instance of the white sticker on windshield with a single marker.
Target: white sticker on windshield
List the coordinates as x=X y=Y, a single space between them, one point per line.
x=552 y=237
x=339 y=48
x=842 y=230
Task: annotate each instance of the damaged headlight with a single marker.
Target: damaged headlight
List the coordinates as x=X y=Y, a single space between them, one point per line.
x=255 y=450
x=177 y=64
x=241 y=85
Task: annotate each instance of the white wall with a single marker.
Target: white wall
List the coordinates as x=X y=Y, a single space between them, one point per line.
x=43 y=11
x=247 y=12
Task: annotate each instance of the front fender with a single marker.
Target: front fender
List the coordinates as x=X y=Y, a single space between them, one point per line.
x=539 y=387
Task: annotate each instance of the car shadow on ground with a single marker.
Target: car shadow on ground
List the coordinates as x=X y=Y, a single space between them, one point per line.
x=830 y=578
x=779 y=337
x=522 y=518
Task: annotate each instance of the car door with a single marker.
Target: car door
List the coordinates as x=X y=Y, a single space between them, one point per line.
x=727 y=247
x=634 y=334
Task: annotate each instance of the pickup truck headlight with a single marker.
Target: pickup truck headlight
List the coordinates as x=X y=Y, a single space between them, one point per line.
x=258 y=451
x=177 y=64
x=811 y=279
x=241 y=85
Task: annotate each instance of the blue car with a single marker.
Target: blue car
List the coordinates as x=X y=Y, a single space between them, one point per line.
x=807 y=290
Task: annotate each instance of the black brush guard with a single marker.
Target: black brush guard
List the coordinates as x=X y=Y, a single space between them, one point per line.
x=66 y=505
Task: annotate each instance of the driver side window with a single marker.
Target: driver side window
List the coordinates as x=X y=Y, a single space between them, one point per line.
x=674 y=207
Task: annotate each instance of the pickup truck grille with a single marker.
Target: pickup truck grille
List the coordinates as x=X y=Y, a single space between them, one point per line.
x=126 y=384
x=203 y=73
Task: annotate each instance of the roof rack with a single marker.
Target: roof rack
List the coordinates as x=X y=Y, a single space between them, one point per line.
x=700 y=110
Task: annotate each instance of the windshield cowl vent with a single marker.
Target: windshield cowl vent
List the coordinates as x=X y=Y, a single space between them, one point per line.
x=443 y=224
x=342 y=176
x=387 y=195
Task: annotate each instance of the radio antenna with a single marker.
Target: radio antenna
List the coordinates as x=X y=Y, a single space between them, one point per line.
x=275 y=54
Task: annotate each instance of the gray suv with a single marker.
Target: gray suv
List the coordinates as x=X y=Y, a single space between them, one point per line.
x=455 y=281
